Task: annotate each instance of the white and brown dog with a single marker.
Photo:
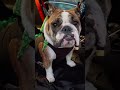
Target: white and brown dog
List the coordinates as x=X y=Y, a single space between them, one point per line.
x=61 y=31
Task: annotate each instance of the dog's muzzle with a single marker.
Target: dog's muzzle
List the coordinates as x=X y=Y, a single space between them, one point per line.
x=67 y=37
x=66 y=30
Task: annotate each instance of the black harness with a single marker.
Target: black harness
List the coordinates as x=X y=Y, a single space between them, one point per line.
x=61 y=53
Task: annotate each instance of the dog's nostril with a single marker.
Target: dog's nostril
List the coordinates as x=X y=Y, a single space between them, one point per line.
x=66 y=29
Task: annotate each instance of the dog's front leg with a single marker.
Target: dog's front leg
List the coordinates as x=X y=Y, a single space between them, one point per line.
x=47 y=56
x=69 y=61
x=49 y=71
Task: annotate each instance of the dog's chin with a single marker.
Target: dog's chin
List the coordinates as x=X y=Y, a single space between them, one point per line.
x=67 y=44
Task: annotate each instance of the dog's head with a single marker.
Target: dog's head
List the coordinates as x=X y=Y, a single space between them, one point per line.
x=63 y=27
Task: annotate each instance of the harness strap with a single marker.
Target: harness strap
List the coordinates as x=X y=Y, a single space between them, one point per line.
x=60 y=52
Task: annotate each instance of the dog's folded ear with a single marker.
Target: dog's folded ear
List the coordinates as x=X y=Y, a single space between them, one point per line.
x=51 y=8
x=77 y=9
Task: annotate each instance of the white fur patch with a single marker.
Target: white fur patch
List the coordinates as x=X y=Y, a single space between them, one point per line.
x=49 y=74
x=59 y=36
x=69 y=61
x=49 y=70
x=51 y=53
x=65 y=17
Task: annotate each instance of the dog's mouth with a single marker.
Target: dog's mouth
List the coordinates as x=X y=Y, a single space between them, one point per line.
x=66 y=41
x=68 y=37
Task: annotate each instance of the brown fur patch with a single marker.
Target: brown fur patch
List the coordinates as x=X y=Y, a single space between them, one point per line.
x=46 y=61
x=74 y=14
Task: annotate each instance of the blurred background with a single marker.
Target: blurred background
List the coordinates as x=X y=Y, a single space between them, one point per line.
x=104 y=75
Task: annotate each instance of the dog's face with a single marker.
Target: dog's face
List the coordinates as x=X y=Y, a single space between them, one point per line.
x=63 y=27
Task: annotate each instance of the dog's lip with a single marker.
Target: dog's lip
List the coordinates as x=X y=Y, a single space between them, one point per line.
x=69 y=37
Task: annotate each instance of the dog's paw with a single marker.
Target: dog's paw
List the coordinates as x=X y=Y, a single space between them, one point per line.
x=71 y=63
x=50 y=78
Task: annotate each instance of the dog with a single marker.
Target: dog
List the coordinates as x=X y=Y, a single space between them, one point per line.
x=61 y=31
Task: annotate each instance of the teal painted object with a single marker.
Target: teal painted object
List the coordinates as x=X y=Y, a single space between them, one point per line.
x=64 y=4
x=68 y=4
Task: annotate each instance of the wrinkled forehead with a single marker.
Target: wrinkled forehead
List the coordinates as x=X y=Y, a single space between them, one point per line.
x=64 y=15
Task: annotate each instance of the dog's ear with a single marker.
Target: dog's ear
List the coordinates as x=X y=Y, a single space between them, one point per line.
x=77 y=9
x=51 y=9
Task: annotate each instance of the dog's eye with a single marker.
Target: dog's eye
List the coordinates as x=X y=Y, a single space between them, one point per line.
x=54 y=24
x=75 y=23
x=57 y=22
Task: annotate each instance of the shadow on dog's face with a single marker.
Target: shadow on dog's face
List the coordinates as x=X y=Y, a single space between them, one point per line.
x=63 y=26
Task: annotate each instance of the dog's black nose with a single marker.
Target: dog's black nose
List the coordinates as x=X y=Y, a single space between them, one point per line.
x=67 y=30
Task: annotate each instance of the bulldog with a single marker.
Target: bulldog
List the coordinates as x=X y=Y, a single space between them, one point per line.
x=61 y=31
